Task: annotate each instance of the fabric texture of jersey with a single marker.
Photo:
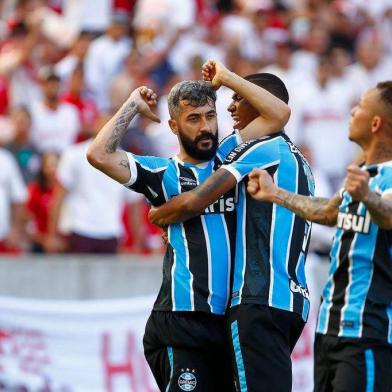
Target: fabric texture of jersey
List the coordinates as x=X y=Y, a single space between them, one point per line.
x=272 y=242
x=357 y=299
x=199 y=255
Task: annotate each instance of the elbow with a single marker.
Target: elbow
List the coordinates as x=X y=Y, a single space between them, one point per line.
x=280 y=118
x=95 y=157
x=284 y=116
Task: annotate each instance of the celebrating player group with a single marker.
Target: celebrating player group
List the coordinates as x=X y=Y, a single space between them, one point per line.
x=238 y=213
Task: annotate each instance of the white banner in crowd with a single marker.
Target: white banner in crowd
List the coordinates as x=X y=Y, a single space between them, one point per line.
x=90 y=346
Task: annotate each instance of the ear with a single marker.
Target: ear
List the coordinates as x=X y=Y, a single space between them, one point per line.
x=173 y=126
x=376 y=123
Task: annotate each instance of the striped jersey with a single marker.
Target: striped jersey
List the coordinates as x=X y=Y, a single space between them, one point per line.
x=198 y=259
x=357 y=299
x=271 y=242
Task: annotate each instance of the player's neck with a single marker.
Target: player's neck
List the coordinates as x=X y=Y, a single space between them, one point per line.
x=378 y=153
x=184 y=157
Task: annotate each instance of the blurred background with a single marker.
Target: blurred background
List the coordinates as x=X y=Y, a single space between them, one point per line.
x=66 y=66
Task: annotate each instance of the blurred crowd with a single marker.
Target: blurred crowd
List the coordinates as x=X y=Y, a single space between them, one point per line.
x=67 y=65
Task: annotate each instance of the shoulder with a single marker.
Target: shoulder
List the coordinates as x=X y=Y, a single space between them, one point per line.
x=254 y=146
x=6 y=157
x=152 y=163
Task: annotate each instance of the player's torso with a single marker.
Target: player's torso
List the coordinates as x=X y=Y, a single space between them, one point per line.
x=357 y=299
x=199 y=258
x=272 y=242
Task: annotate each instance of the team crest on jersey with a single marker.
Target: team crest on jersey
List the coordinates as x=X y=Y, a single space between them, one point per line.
x=187 y=380
x=354 y=222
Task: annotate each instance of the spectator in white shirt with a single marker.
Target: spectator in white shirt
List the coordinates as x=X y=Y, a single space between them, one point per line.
x=105 y=58
x=13 y=195
x=323 y=123
x=55 y=124
x=94 y=216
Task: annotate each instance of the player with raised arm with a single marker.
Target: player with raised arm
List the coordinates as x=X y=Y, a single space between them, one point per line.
x=185 y=342
x=269 y=299
x=353 y=346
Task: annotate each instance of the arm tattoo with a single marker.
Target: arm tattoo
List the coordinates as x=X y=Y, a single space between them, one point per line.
x=120 y=126
x=124 y=163
x=315 y=209
x=380 y=210
x=212 y=184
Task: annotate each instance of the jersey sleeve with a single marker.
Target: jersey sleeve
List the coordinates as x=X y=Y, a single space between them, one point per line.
x=147 y=176
x=253 y=154
x=386 y=184
x=227 y=144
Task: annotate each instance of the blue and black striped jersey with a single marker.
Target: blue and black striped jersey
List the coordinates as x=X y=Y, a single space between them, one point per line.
x=200 y=251
x=357 y=299
x=272 y=242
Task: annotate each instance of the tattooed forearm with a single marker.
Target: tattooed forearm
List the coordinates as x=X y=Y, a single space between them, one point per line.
x=380 y=210
x=213 y=184
x=315 y=209
x=120 y=127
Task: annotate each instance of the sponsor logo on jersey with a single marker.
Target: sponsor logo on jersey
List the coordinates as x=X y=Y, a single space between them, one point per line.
x=188 y=182
x=354 y=222
x=221 y=205
x=297 y=288
x=226 y=203
x=347 y=323
x=187 y=380
x=235 y=151
x=153 y=193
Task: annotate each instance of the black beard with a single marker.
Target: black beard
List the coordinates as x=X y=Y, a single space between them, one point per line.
x=190 y=146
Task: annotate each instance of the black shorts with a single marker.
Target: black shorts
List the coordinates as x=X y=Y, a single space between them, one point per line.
x=351 y=365
x=189 y=351
x=263 y=339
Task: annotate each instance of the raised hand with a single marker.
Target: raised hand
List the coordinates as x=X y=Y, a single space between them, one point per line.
x=214 y=72
x=356 y=183
x=145 y=99
x=261 y=186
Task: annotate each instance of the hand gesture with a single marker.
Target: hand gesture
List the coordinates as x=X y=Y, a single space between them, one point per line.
x=145 y=99
x=261 y=186
x=356 y=183
x=214 y=72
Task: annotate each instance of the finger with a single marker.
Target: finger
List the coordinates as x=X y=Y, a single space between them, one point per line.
x=153 y=117
x=354 y=169
x=252 y=188
x=255 y=173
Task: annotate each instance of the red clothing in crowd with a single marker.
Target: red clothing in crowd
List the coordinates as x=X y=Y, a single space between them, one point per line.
x=87 y=108
x=88 y=112
x=3 y=95
x=38 y=205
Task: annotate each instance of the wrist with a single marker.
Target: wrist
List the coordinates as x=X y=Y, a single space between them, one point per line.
x=279 y=196
x=368 y=197
x=226 y=78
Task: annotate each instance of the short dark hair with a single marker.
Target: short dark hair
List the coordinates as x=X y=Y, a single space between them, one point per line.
x=385 y=90
x=197 y=92
x=271 y=83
